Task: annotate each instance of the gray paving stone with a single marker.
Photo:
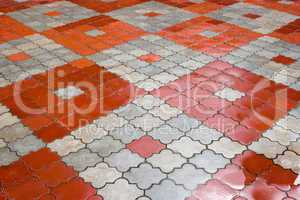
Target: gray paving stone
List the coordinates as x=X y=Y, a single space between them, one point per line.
x=209 y=161
x=125 y=191
x=130 y=111
x=144 y=176
x=124 y=160
x=189 y=176
x=82 y=159
x=100 y=175
x=126 y=133
x=183 y=122
x=105 y=146
x=166 y=160
x=166 y=133
x=7 y=156
x=204 y=134
x=26 y=145
x=167 y=190
x=14 y=132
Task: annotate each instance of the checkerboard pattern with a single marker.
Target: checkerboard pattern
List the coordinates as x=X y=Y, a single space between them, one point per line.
x=149 y=100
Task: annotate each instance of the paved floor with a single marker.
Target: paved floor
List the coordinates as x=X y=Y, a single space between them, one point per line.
x=149 y=100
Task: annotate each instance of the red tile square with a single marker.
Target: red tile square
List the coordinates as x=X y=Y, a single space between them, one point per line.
x=74 y=37
x=18 y=57
x=150 y=58
x=283 y=60
x=251 y=16
x=188 y=34
x=53 y=13
x=51 y=117
x=152 y=14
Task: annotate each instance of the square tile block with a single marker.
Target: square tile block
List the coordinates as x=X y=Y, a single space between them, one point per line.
x=165 y=15
x=253 y=17
x=47 y=16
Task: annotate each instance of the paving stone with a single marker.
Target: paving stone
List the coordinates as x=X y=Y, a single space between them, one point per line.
x=165 y=111
x=3 y=109
x=69 y=92
x=100 y=175
x=166 y=134
x=186 y=147
x=130 y=111
x=7 y=119
x=183 y=122
x=209 y=161
x=204 y=134
x=105 y=146
x=66 y=145
x=89 y=133
x=166 y=160
x=168 y=190
x=14 y=132
x=289 y=160
x=190 y=173
x=146 y=122
x=149 y=84
x=125 y=191
x=227 y=147
x=126 y=133
x=148 y=102
x=144 y=176
x=229 y=94
x=295 y=146
x=7 y=157
x=124 y=160
x=280 y=135
x=290 y=123
x=26 y=145
x=268 y=148
x=82 y=159
x=110 y=122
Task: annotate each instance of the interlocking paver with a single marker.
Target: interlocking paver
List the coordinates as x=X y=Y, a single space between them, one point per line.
x=190 y=173
x=209 y=161
x=166 y=160
x=149 y=100
x=81 y=159
x=144 y=176
x=100 y=175
x=268 y=148
x=204 y=134
x=227 y=148
x=166 y=133
x=184 y=123
x=105 y=146
x=186 y=147
x=7 y=156
x=124 y=160
x=125 y=191
x=147 y=122
x=126 y=134
x=66 y=145
x=26 y=145
x=89 y=133
x=289 y=160
x=167 y=189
